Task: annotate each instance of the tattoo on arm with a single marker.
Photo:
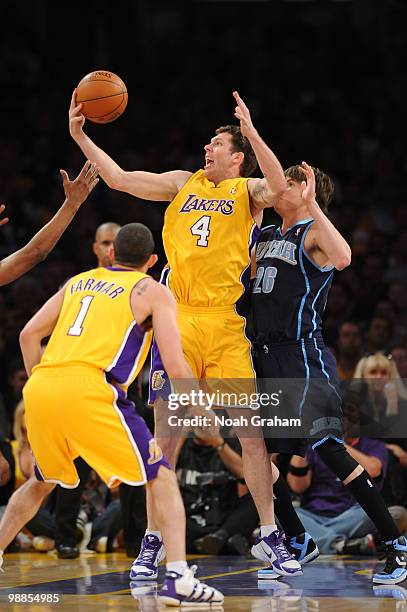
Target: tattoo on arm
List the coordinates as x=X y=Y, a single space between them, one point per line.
x=260 y=191
x=142 y=286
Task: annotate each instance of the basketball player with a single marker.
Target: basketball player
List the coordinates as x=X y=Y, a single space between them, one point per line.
x=76 y=192
x=67 y=502
x=75 y=398
x=295 y=266
x=104 y=238
x=210 y=226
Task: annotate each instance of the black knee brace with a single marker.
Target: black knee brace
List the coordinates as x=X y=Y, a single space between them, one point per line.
x=336 y=457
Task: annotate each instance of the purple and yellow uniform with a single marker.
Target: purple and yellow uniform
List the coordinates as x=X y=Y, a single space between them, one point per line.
x=76 y=398
x=208 y=234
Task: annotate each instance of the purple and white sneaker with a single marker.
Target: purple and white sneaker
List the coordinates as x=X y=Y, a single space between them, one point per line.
x=186 y=591
x=272 y=550
x=145 y=567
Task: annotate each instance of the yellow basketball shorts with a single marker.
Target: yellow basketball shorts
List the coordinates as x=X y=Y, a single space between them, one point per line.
x=75 y=412
x=215 y=346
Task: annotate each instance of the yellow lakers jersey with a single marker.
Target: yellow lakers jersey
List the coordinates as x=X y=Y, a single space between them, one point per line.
x=208 y=234
x=96 y=326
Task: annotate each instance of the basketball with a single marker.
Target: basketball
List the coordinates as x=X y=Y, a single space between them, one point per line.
x=103 y=96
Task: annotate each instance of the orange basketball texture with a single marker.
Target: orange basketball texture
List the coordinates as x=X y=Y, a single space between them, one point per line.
x=103 y=96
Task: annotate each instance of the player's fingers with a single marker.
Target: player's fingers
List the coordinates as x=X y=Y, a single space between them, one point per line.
x=2 y=207
x=307 y=168
x=240 y=102
x=75 y=111
x=85 y=169
x=93 y=172
x=4 y=221
x=65 y=177
x=93 y=185
x=90 y=171
x=73 y=100
x=237 y=98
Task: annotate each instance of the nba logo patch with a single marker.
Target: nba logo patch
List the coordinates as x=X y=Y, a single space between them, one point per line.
x=157 y=380
x=233 y=191
x=155 y=452
x=297 y=231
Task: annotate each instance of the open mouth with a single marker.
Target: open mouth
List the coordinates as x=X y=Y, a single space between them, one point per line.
x=208 y=162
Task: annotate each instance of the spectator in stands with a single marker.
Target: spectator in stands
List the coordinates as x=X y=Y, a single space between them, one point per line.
x=385 y=402
x=338 y=309
x=399 y=354
x=379 y=335
x=349 y=349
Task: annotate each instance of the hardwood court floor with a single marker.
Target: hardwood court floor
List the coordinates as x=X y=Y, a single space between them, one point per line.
x=101 y=582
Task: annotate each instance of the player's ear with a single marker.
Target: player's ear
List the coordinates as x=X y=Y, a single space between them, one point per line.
x=238 y=157
x=94 y=248
x=152 y=261
x=110 y=253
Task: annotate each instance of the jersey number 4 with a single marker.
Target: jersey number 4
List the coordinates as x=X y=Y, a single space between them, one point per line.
x=77 y=328
x=201 y=229
x=265 y=279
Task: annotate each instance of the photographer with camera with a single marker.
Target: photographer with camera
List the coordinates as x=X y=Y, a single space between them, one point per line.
x=221 y=515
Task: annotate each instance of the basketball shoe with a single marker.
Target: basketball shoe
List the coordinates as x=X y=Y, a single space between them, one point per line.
x=395 y=569
x=185 y=590
x=272 y=550
x=303 y=548
x=145 y=567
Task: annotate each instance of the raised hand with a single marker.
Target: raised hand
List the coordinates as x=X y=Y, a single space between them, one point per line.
x=78 y=190
x=5 y=219
x=76 y=119
x=308 y=186
x=243 y=114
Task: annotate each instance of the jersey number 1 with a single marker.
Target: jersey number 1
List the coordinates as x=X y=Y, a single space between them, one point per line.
x=201 y=229
x=76 y=329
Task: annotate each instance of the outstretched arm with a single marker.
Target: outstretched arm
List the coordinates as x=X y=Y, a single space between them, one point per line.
x=145 y=185
x=39 y=327
x=76 y=192
x=263 y=192
x=323 y=243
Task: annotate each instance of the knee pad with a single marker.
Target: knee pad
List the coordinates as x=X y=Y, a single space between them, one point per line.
x=336 y=457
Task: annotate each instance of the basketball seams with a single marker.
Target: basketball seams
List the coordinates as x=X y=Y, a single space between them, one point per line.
x=120 y=93
x=116 y=108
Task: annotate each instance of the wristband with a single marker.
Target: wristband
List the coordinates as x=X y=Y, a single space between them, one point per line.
x=298 y=471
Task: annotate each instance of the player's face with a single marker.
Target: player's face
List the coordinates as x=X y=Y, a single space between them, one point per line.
x=104 y=240
x=291 y=198
x=219 y=157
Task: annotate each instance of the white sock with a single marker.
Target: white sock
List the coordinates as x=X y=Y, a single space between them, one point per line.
x=265 y=530
x=177 y=566
x=155 y=533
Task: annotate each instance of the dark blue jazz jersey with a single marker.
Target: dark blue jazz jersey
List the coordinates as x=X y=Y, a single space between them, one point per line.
x=290 y=291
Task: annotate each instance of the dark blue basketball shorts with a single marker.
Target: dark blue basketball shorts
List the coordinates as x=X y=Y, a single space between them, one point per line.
x=303 y=374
